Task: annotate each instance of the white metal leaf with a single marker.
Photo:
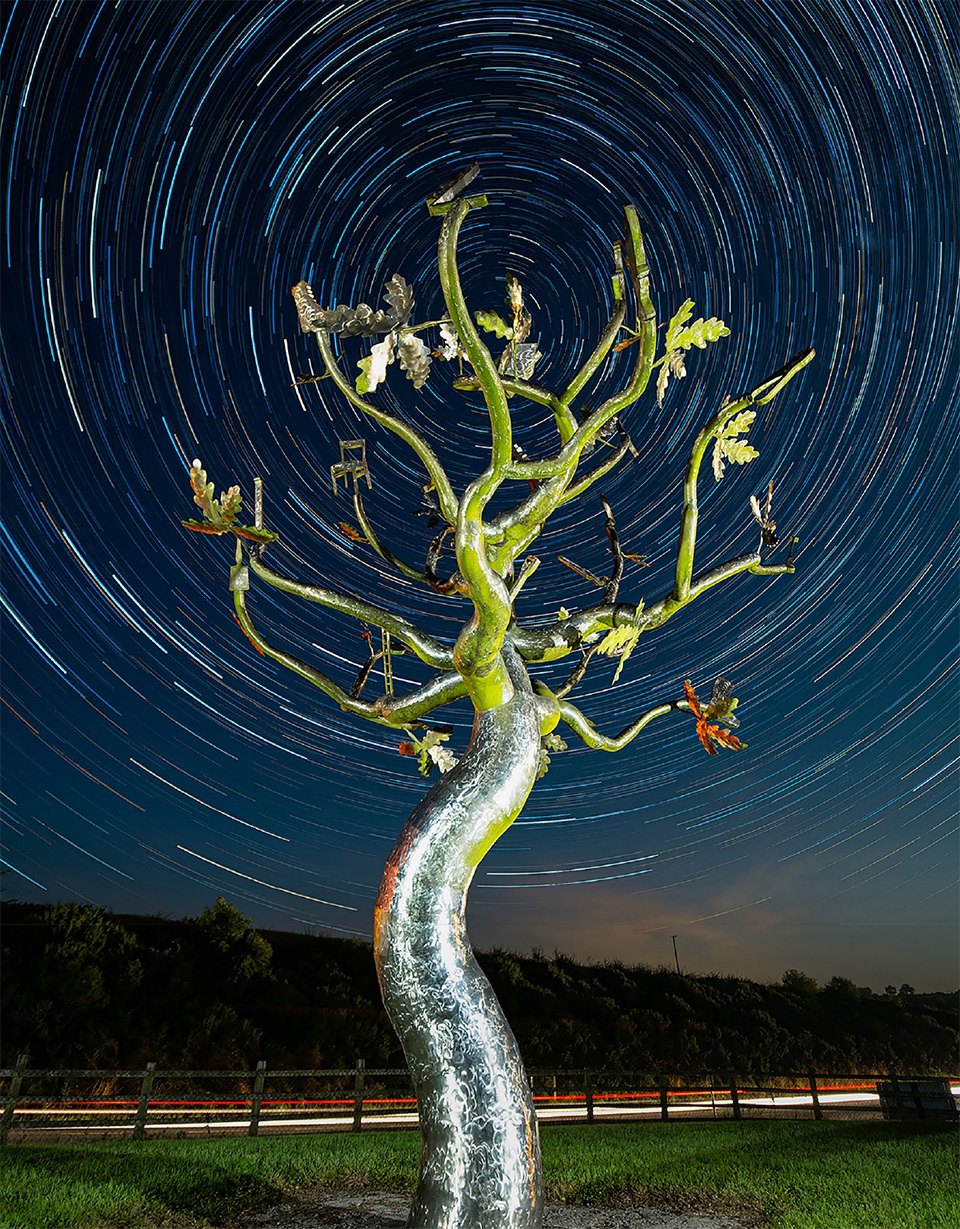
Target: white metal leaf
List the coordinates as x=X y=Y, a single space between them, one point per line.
x=373 y=368
x=449 y=342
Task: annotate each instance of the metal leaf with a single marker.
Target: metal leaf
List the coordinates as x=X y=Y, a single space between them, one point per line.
x=399 y=294
x=451 y=188
x=359 y=321
x=449 y=342
x=414 y=359
x=519 y=361
x=492 y=322
x=373 y=368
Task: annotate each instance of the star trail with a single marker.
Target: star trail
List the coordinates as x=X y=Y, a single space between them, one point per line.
x=172 y=169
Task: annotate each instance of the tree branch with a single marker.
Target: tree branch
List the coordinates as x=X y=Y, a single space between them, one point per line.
x=480 y=358
x=347 y=702
x=613 y=583
x=566 y=460
x=441 y=689
x=426 y=647
x=426 y=577
x=584 y=483
x=565 y=636
x=477 y=654
x=566 y=420
x=445 y=495
x=587 y=732
x=566 y=687
x=600 y=352
x=392 y=711
x=688 y=518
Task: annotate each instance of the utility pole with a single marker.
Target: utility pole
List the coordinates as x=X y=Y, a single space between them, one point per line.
x=675 y=956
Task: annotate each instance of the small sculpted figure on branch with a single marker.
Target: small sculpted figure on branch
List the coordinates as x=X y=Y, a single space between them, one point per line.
x=480 y=1157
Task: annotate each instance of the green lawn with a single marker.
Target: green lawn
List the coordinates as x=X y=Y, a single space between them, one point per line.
x=785 y=1175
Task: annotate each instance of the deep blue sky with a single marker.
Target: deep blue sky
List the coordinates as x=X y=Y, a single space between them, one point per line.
x=173 y=168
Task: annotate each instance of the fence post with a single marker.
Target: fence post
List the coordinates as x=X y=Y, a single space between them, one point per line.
x=588 y=1093
x=734 y=1095
x=256 y=1101
x=664 y=1103
x=146 y=1087
x=358 y=1081
x=815 y=1097
x=898 y=1096
x=10 y=1101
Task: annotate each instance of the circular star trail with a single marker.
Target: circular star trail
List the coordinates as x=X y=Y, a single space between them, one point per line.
x=174 y=168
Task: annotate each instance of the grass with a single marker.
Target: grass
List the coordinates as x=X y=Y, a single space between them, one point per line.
x=783 y=1175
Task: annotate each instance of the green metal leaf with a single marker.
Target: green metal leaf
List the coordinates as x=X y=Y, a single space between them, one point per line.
x=699 y=333
x=493 y=323
x=728 y=448
x=675 y=327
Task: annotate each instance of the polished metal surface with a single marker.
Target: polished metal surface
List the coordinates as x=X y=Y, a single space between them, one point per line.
x=480 y=1151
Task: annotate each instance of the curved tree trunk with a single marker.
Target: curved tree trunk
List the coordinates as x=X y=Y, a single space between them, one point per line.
x=480 y=1151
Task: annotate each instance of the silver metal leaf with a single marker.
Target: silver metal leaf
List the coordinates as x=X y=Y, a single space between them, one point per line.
x=519 y=361
x=451 y=188
x=399 y=294
x=414 y=359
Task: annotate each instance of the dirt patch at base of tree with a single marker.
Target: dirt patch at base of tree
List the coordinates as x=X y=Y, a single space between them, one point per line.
x=375 y=1209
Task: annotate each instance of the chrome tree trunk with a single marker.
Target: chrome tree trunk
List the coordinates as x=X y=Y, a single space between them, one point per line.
x=480 y=1151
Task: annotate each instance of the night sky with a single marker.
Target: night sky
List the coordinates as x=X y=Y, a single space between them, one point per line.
x=172 y=169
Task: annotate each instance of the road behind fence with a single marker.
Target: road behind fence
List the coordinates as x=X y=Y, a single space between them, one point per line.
x=163 y=1102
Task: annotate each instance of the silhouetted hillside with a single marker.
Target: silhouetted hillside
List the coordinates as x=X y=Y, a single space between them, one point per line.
x=86 y=988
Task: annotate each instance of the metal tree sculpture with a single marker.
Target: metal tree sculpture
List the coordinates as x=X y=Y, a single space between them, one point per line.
x=480 y=1157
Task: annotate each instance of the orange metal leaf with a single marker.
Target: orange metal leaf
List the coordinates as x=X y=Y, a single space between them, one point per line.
x=692 y=699
x=197 y=528
x=724 y=738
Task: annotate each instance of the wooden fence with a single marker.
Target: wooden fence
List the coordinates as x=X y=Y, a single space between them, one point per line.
x=230 y=1102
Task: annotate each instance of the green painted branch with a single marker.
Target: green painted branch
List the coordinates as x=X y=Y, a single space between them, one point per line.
x=724 y=571
x=445 y=495
x=512 y=531
x=384 y=552
x=477 y=654
x=441 y=689
x=567 y=459
x=602 y=349
x=566 y=421
x=587 y=481
x=517 y=527
x=688 y=518
x=426 y=647
x=566 y=636
x=587 y=732
x=360 y=708
x=480 y=358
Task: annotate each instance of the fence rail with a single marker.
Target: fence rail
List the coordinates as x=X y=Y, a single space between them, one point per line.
x=152 y=1101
